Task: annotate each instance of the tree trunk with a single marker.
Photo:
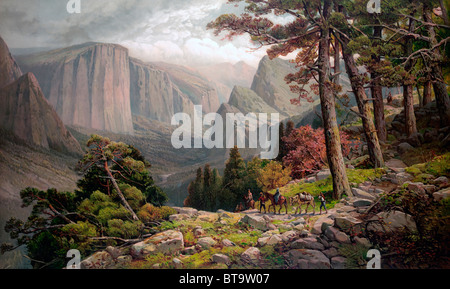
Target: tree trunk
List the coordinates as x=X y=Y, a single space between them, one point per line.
x=408 y=97
x=427 y=88
x=327 y=102
x=410 y=118
x=119 y=192
x=439 y=86
x=375 y=153
x=444 y=12
x=377 y=95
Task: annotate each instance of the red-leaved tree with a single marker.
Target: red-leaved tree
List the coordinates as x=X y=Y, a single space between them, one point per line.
x=307 y=151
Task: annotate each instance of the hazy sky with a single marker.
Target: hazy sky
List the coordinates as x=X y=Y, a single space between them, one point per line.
x=153 y=30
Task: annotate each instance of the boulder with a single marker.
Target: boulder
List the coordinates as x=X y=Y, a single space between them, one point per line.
x=176 y=263
x=441 y=195
x=418 y=188
x=307 y=259
x=206 y=242
x=333 y=234
x=198 y=231
x=404 y=147
x=361 y=203
x=208 y=217
x=300 y=220
x=186 y=210
x=363 y=241
x=269 y=241
x=166 y=242
x=317 y=227
x=289 y=235
x=228 y=243
x=323 y=174
x=396 y=165
x=338 y=262
x=299 y=227
x=251 y=256
x=392 y=222
x=221 y=259
x=189 y=250
x=307 y=243
x=441 y=180
x=114 y=252
x=178 y=217
x=256 y=222
x=403 y=177
x=358 y=193
x=331 y=252
x=348 y=224
x=99 y=260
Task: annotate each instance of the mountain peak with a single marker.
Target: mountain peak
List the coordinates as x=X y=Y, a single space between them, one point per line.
x=26 y=113
x=9 y=70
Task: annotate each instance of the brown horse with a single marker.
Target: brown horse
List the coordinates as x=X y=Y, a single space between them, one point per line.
x=249 y=203
x=303 y=198
x=239 y=208
x=281 y=201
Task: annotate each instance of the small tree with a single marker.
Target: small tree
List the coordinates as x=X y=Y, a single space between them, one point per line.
x=103 y=153
x=273 y=176
x=307 y=152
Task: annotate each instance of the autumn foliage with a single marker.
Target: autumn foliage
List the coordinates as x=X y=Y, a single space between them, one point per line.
x=307 y=151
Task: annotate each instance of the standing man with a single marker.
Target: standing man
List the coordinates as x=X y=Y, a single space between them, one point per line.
x=262 y=202
x=322 y=203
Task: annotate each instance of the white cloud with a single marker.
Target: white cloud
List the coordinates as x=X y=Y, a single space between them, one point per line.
x=153 y=30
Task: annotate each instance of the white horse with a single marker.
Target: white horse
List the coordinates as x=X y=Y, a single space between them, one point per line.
x=303 y=198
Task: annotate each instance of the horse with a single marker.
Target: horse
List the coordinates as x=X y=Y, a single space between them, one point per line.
x=239 y=208
x=281 y=201
x=303 y=198
x=248 y=203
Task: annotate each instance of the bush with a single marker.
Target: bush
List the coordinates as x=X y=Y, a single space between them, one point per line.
x=149 y=213
x=124 y=229
x=112 y=212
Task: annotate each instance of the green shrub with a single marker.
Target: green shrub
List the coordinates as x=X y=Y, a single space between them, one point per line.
x=113 y=212
x=124 y=229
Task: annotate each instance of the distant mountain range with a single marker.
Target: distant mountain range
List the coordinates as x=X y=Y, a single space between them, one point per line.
x=99 y=86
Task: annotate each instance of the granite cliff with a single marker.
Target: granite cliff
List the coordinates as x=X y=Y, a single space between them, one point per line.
x=88 y=84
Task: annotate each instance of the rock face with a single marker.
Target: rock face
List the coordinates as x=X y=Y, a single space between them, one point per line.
x=270 y=85
x=26 y=113
x=195 y=87
x=9 y=70
x=391 y=222
x=153 y=94
x=88 y=84
x=246 y=100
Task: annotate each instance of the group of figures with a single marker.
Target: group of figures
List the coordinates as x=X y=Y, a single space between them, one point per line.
x=279 y=200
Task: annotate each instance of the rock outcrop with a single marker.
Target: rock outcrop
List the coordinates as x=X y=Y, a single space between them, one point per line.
x=26 y=113
x=269 y=83
x=247 y=101
x=153 y=94
x=9 y=70
x=193 y=85
x=88 y=84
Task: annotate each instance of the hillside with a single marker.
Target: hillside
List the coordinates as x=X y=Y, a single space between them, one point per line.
x=337 y=239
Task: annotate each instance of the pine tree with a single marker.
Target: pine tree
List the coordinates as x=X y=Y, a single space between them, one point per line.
x=234 y=178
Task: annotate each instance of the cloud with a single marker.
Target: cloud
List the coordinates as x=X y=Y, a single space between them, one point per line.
x=154 y=30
